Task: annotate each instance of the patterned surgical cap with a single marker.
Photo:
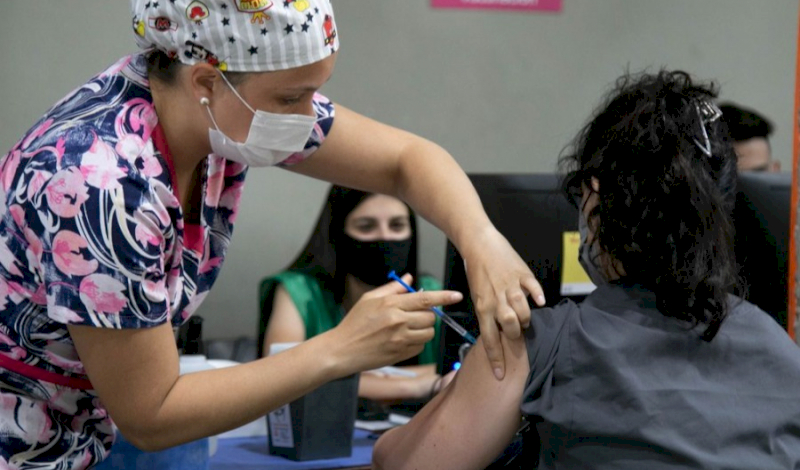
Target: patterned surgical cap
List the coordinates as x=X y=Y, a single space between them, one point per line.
x=238 y=35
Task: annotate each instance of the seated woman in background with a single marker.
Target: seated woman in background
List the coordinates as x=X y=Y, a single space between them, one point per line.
x=358 y=239
x=659 y=367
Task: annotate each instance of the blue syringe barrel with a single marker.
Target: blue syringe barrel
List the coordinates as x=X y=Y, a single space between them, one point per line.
x=447 y=319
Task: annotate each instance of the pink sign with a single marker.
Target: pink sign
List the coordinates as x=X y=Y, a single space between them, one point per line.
x=527 y=5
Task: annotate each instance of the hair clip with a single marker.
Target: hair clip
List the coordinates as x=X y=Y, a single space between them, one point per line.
x=708 y=112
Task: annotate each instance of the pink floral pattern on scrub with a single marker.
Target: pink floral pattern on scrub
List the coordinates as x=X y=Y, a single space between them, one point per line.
x=91 y=233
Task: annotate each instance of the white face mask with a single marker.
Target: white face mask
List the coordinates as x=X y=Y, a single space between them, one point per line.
x=271 y=139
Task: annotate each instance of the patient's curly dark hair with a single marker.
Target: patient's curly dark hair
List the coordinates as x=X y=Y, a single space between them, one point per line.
x=664 y=206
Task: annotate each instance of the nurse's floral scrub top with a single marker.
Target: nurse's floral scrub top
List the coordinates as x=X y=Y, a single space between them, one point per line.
x=92 y=233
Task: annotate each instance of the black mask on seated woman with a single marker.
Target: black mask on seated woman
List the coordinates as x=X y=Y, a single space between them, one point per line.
x=371 y=261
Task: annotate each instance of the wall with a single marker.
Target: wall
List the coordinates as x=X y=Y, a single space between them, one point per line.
x=503 y=92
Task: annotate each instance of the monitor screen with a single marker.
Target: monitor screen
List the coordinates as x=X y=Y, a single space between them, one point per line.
x=762 y=222
x=532 y=212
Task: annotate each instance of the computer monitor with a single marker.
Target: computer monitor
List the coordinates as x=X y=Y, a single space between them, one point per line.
x=532 y=212
x=762 y=221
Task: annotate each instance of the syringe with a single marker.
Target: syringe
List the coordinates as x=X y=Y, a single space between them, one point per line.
x=445 y=317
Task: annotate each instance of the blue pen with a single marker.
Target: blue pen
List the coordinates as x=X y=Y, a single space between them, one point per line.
x=445 y=317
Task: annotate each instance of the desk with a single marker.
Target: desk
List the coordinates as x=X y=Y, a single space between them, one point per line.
x=252 y=453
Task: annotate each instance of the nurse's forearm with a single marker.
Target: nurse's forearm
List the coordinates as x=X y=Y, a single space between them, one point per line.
x=135 y=375
x=438 y=189
x=365 y=154
x=233 y=396
x=135 y=371
x=206 y=403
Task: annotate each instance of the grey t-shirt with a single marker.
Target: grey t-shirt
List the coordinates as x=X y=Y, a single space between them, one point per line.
x=614 y=384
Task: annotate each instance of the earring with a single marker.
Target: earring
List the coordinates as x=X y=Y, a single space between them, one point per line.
x=204 y=101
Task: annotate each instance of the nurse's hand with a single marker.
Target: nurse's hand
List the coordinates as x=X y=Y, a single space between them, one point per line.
x=387 y=325
x=500 y=283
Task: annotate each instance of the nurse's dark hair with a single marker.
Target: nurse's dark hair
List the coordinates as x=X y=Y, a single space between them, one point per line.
x=165 y=69
x=664 y=205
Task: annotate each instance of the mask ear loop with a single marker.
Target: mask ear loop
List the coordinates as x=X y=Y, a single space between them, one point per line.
x=236 y=92
x=204 y=101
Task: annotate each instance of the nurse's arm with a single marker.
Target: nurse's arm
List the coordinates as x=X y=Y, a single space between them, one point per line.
x=365 y=154
x=468 y=424
x=135 y=372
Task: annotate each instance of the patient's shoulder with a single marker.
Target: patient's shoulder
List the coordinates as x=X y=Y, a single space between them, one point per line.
x=549 y=320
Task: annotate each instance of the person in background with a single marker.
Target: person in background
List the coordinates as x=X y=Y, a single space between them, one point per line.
x=659 y=367
x=118 y=208
x=750 y=132
x=359 y=237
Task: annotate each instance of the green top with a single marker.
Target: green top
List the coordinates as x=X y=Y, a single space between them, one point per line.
x=319 y=310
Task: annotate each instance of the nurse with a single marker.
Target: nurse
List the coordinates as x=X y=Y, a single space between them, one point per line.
x=119 y=205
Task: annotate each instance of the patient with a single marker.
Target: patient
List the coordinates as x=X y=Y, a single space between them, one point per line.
x=659 y=368
x=358 y=239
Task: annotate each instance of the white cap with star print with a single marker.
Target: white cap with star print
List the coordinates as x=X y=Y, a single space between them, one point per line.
x=238 y=35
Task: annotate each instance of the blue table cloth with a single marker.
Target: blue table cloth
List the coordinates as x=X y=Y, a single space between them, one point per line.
x=251 y=453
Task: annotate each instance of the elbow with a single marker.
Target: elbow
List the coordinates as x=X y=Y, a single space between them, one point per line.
x=382 y=453
x=144 y=438
x=143 y=442
x=378 y=457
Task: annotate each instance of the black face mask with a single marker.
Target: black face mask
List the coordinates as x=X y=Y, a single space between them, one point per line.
x=370 y=262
